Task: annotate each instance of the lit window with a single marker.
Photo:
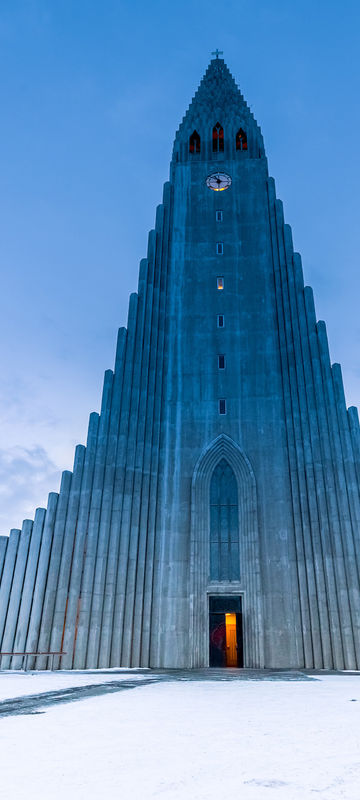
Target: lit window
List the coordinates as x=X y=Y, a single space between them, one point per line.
x=219 y=248
x=221 y=361
x=219 y=216
x=222 y=406
x=220 y=284
x=241 y=140
x=221 y=321
x=218 y=138
x=194 y=143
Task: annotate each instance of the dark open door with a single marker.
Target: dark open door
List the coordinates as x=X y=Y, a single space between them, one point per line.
x=225 y=617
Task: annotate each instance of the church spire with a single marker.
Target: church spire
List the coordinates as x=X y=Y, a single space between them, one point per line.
x=218 y=99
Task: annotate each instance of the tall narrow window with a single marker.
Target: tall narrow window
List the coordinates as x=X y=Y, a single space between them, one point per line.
x=221 y=361
x=224 y=525
x=220 y=284
x=222 y=406
x=221 y=321
x=219 y=248
x=219 y=216
x=194 y=143
x=218 y=138
x=241 y=140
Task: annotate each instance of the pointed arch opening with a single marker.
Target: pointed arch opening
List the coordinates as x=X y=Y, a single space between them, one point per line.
x=194 y=142
x=241 y=140
x=224 y=524
x=224 y=487
x=218 y=138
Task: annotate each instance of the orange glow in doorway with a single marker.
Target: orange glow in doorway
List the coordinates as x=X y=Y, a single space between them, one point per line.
x=231 y=643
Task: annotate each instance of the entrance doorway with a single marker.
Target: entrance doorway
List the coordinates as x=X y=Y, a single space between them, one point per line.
x=226 y=640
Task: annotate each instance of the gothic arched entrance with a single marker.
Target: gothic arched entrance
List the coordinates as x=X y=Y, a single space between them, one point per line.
x=225 y=563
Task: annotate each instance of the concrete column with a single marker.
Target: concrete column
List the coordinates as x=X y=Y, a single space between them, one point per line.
x=145 y=561
x=319 y=510
x=3 y=547
x=110 y=622
x=311 y=532
x=340 y=647
x=41 y=575
x=61 y=600
x=53 y=569
x=353 y=419
x=347 y=550
x=99 y=616
x=128 y=491
x=301 y=652
x=16 y=589
x=93 y=526
x=313 y=653
x=28 y=587
x=136 y=536
x=74 y=598
x=7 y=578
x=352 y=484
x=110 y=539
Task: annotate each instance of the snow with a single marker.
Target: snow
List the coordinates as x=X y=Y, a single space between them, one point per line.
x=199 y=740
x=19 y=684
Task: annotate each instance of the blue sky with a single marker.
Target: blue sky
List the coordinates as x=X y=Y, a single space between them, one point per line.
x=91 y=94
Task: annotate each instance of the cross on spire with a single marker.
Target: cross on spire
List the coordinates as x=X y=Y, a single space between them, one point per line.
x=217 y=53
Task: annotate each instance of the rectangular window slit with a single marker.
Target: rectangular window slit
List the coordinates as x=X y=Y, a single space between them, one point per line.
x=222 y=406
x=221 y=321
x=221 y=361
x=220 y=283
x=219 y=216
x=219 y=248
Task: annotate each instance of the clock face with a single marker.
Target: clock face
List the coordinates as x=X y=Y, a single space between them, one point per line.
x=218 y=181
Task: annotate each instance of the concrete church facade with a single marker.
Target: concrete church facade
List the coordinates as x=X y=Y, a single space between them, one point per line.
x=214 y=515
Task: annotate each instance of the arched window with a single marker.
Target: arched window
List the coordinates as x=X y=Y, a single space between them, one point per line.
x=241 y=140
x=224 y=525
x=194 y=143
x=218 y=138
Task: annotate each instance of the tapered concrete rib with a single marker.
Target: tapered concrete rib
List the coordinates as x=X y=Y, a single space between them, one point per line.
x=28 y=587
x=16 y=589
x=348 y=460
x=41 y=576
x=353 y=418
x=110 y=566
x=297 y=559
x=347 y=653
x=114 y=625
x=61 y=601
x=119 y=638
x=347 y=549
x=94 y=657
x=4 y=540
x=145 y=572
x=341 y=646
x=93 y=527
x=53 y=570
x=7 y=579
x=74 y=598
x=316 y=484
x=141 y=477
x=311 y=532
x=298 y=403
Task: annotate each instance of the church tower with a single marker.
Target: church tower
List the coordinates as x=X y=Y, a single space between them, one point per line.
x=213 y=516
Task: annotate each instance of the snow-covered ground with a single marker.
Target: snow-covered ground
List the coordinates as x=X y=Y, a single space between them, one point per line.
x=19 y=684
x=193 y=740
